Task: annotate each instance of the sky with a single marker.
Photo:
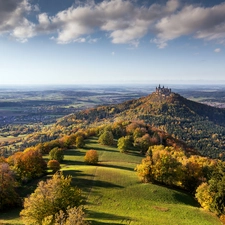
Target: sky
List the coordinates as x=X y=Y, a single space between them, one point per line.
x=60 y=42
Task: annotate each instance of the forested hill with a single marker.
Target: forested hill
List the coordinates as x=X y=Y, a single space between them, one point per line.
x=199 y=125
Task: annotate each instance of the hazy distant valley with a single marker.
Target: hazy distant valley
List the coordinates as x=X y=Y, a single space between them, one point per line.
x=24 y=105
x=26 y=110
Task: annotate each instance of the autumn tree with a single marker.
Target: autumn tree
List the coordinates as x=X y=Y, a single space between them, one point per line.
x=204 y=196
x=144 y=170
x=72 y=216
x=162 y=164
x=131 y=127
x=143 y=143
x=27 y=164
x=8 y=195
x=67 y=141
x=139 y=132
x=49 y=198
x=53 y=165
x=167 y=169
x=91 y=157
x=118 y=129
x=57 y=154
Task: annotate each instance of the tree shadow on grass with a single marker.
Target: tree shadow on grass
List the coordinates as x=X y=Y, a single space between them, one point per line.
x=73 y=152
x=115 y=166
x=185 y=198
x=101 y=149
x=10 y=214
x=107 y=216
x=73 y=162
x=134 y=153
x=94 y=222
x=86 y=181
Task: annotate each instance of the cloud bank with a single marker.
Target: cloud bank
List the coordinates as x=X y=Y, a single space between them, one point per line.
x=122 y=21
x=13 y=19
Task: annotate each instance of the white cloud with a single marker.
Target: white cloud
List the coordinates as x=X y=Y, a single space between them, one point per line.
x=204 y=23
x=159 y=42
x=13 y=20
x=217 y=50
x=124 y=21
x=80 y=40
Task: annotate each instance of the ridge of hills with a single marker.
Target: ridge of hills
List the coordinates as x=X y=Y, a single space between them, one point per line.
x=200 y=126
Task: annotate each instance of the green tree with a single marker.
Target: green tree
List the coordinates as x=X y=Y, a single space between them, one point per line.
x=57 y=154
x=91 y=157
x=49 y=198
x=217 y=189
x=106 y=138
x=124 y=143
x=80 y=141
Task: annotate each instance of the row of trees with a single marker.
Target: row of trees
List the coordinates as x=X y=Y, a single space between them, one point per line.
x=173 y=167
x=138 y=135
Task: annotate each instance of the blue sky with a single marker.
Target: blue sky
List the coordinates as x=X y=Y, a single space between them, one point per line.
x=112 y=42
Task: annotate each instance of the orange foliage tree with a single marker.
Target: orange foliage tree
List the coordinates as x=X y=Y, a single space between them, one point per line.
x=91 y=157
x=8 y=195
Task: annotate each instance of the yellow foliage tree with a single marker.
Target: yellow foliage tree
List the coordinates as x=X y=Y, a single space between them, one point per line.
x=204 y=196
x=49 y=198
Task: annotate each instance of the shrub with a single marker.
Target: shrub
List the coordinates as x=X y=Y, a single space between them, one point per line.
x=53 y=165
x=80 y=142
x=91 y=157
x=106 y=138
x=124 y=143
x=57 y=154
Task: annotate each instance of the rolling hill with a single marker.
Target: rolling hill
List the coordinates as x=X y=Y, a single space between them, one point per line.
x=201 y=126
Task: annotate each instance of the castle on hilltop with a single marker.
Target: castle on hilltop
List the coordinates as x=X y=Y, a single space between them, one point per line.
x=163 y=91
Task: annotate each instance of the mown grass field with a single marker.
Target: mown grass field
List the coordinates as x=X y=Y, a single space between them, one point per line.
x=114 y=195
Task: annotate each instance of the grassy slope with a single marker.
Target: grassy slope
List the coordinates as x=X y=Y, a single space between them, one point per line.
x=115 y=196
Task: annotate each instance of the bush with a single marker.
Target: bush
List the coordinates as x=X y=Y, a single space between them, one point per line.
x=57 y=154
x=49 y=198
x=91 y=157
x=80 y=142
x=53 y=165
x=124 y=143
x=106 y=138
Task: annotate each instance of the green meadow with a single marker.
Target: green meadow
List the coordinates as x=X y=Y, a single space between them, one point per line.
x=114 y=195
